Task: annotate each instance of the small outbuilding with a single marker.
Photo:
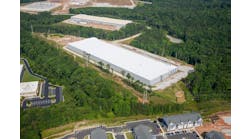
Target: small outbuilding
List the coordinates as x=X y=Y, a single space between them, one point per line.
x=29 y=89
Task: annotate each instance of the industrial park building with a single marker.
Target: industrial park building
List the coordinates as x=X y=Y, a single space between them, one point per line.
x=88 y=19
x=143 y=68
x=29 y=89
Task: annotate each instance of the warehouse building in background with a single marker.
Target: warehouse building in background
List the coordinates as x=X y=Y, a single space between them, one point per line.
x=122 y=61
x=94 y=21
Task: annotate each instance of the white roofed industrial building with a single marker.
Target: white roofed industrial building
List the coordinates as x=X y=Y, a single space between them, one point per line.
x=143 y=68
x=29 y=89
x=93 y=21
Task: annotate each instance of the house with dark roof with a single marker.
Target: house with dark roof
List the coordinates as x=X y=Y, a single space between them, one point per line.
x=214 y=135
x=142 y=132
x=181 y=121
x=98 y=133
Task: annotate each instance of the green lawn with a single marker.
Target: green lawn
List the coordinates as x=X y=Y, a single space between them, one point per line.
x=168 y=95
x=129 y=135
x=109 y=136
x=27 y=77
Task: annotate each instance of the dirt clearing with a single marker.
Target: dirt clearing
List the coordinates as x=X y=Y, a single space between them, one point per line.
x=220 y=122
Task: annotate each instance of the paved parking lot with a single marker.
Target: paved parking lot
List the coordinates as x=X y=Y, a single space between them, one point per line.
x=159 y=137
x=42 y=102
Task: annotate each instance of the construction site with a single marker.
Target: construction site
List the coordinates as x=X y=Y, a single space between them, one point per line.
x=220 y=122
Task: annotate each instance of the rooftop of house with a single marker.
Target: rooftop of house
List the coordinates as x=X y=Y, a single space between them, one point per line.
x=193 y=116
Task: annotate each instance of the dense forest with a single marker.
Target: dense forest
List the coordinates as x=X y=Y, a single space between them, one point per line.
x=203 y=25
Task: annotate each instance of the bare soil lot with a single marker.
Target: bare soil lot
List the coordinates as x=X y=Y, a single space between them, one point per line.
x=63 y=39
x=217 y=123
x=93 y=25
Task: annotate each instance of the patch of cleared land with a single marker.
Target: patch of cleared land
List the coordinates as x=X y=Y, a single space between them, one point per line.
x=217 y=123
x=93 y=25
x=67 y=4
x=173 y=39
x=40 y=6
x=63 y=39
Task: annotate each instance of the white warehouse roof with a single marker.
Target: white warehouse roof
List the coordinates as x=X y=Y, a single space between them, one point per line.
x=140 y=65
x=102 y=19
x=28 y=87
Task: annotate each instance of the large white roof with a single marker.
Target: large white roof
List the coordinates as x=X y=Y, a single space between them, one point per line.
x=102 y=19
x=27 y=87
x=128 y=60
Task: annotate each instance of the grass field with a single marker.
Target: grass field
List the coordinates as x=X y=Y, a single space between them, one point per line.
x=129 y=135
x=109 y=136
x=168 y=95
x=27 y=77
x=52 y=131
